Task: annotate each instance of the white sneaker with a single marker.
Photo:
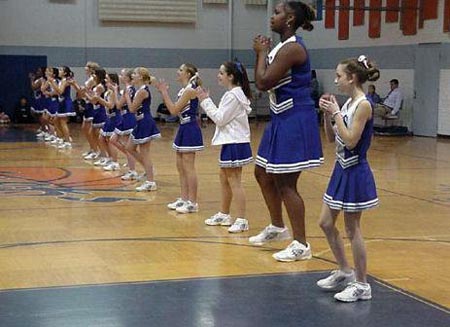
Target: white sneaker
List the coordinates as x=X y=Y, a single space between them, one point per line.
x=102 y=162
x=130 y=176
x=176 y=204
x=219 y=218
x=147 y=186
x=336 y=280
x=65 y=145
x=295 y=251
x=240 y=225
x=355 y=291
x=91 y=156
x=111 y=166
x=188 y=207
x=270 y=234
x=84 y=154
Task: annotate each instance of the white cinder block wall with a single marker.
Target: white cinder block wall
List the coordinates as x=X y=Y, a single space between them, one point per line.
x=69 y=32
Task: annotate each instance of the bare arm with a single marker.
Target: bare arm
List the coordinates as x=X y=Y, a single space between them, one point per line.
x=134 y=104
x=175 y=108
x=289 y=55
x=350 y=136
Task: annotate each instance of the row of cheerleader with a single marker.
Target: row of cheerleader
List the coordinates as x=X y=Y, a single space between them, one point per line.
x=117 y=120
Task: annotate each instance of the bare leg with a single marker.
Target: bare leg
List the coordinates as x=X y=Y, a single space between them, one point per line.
x=327 y=222
x=353 y=229
x=271 y=196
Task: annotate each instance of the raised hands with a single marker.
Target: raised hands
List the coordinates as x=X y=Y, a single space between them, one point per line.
x=261 y=43
x=161 y=85
x=202 y=94
x=329 y=104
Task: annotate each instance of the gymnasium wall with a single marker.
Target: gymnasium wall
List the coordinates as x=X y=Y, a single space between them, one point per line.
x=69 y=32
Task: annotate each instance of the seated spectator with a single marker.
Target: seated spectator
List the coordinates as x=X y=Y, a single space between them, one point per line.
x=163 y=114
x=4 y=118
x=392 y=103
x=372 y=95
x=22 y=111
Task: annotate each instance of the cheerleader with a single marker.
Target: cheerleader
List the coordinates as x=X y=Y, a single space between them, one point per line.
x=51 y=104
x=88 y=112
x=99 y=115
x=65 y=107
x=352 y=187
x=37 y=108
x=145 y=130
x=291 y=141
x=113 y=119
x=122 y=133
x=233 y=133
x=189 y=136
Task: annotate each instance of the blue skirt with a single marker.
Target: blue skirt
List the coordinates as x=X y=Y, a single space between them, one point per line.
x=38 y=105
x=291 y=142
x=51 y=106
x=127 y=125
x=110 y=125
x=99 y=117
x=88 y=112
x=235 y=155
x=189 y=138
x=145 y=130
x=352 y=189
x=65 y=108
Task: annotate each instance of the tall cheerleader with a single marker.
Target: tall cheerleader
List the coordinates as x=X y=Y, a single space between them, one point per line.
x=123 y=131
x=146 y=129
x=189 y=136
x=65 y=107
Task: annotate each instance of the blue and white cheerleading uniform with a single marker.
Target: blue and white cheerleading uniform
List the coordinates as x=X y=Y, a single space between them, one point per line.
x=291 y=140
x=146 y=129
x=88 y=113
x=352 y=186
x=113 y=119
x=65 y=108
x=128 y=122
x=232 y=128
x=189 y=136
x=99 y=114
x=51 y=102
x=37 y=105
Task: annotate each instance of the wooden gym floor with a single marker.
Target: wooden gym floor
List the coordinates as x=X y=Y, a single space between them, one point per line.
x=79 y=247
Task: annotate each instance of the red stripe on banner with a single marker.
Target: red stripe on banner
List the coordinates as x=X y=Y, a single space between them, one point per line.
x=329 y=14
x=375 y=18
x=447 y=16
x=358 y=13
x=392 y=9
x=409 y=17
x=430 y=9
x=344 y=16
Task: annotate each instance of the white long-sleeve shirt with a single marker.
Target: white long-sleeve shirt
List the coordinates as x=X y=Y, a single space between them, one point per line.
x=394 y=100
x=231 y=117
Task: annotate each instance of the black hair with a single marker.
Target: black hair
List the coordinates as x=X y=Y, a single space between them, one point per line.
x=67 y=72
x=114 y=78
x=55 y=72
x=365 y=70
x=100 y=75
x=394 y=81
x=240 y=77
x=303 y=13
